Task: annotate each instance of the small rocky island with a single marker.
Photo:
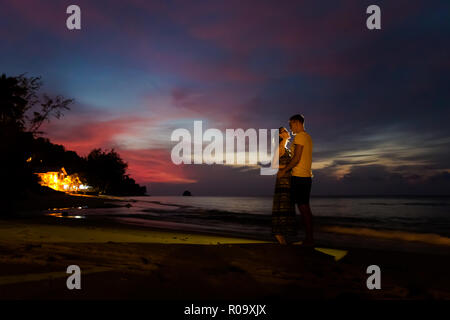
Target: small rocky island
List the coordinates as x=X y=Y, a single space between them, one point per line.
x=187 y=193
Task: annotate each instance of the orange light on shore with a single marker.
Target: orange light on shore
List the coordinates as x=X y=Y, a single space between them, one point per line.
x=61 y=181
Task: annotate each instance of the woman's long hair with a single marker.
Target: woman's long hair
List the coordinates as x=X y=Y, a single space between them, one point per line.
x=279 y=136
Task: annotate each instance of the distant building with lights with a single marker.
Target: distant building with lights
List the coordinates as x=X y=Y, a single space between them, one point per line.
x=59 y=180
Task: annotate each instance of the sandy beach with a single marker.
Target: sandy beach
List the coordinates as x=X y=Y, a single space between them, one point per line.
x=130 y=262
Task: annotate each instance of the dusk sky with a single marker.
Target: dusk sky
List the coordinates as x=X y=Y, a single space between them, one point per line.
x=376 y=102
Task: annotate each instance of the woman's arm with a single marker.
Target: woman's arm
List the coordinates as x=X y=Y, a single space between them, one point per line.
x=275 y=160
x=294 y=161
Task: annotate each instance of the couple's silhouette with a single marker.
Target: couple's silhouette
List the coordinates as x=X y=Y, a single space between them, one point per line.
x=293 y=184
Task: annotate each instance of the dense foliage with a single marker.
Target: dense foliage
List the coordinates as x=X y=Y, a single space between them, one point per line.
x=22 y=112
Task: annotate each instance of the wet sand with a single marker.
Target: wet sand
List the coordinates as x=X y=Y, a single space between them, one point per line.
x=45 y=198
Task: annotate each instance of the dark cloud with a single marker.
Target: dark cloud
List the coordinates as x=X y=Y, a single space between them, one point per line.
x=380 y=180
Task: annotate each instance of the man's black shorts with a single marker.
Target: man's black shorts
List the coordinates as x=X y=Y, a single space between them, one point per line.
x=300 y=189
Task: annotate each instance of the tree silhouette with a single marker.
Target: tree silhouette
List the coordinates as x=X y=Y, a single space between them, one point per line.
x=106 y=172
x=22 y=112
x=21 y=106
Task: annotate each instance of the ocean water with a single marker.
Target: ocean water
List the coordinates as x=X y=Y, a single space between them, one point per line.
x=413 y=219
x=427 y=215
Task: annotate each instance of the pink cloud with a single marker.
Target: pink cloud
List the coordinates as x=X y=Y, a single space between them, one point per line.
x=154 y=165
x=81 y=134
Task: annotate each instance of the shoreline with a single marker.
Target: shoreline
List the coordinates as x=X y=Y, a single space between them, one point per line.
x=46 y=198
x=328 y=235
x=331 y=235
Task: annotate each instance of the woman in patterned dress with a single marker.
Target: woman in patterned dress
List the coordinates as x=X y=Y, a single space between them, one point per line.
x=283 y=209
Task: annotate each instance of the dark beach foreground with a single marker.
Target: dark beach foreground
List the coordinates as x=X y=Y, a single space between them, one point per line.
x=126 y=262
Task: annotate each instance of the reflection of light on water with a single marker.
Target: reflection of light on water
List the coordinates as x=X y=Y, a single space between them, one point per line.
x=61 y=215
x=60 y=209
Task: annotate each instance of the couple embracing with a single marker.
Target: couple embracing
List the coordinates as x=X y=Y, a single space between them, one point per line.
x=293 y=184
